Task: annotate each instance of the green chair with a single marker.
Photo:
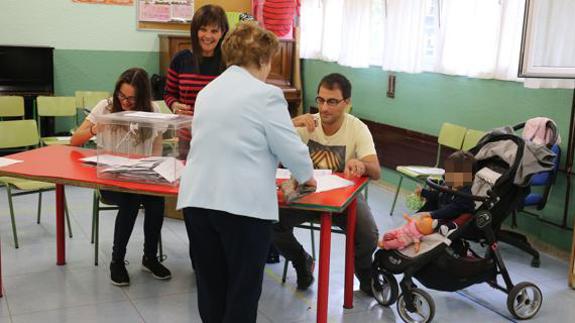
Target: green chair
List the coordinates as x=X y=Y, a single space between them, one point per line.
x=23 y=134
x=163 y=107
x=451 y=136
x=471 y=139
x=11 y=107
x=86 y=100
x=100 y=204
x=171 y=142
x=56 y=106
x=91 y=98
x=233 y=18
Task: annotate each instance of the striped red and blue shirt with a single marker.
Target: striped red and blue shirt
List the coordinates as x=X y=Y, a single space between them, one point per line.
x=184 y=81
x=278 y=15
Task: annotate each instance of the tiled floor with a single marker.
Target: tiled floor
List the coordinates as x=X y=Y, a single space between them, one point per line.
x=36 y=290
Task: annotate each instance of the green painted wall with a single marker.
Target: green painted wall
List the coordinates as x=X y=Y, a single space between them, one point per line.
x=96 y=70
x=64 y=24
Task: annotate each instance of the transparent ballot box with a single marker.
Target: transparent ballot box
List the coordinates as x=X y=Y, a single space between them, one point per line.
x=140 y=146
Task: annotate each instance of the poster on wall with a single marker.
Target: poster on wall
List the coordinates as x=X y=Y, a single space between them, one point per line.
x=165 y=11
x=113 y=2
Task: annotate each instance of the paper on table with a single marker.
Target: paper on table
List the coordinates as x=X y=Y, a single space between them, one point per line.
x=8 y=161
x=284 y=173
x=331 y=182
x=63 y=138
x=152 y=115
x=170 y=169
x=426 y=170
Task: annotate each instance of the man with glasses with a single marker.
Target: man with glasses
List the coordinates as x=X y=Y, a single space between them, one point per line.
x=342 y=143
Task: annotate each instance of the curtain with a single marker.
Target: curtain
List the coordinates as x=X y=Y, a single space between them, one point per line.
x=336 y=30
x=474 y=38
x=403 y=36
x=469 y=37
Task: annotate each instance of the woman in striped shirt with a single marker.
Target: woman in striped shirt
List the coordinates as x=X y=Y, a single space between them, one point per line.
x=192 y=69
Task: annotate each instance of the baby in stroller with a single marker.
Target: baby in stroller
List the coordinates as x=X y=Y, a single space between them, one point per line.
x=441 y=209
x=504 y=165
x=446 y=206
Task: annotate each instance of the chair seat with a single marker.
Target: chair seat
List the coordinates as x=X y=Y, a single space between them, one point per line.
x=532 y=199
x=26 y=184
x=63 y=140
x=421 y=172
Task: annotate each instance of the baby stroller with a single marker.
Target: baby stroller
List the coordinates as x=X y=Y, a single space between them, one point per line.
x=449 y=263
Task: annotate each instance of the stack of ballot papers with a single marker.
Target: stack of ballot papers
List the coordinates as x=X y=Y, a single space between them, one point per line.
x=155 y=169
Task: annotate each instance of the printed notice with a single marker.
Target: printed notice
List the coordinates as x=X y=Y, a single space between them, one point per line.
x=155 y=12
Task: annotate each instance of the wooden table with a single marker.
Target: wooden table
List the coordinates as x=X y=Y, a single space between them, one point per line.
x=61 y=165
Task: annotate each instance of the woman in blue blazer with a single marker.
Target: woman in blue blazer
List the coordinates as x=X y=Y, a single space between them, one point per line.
x=241 y=131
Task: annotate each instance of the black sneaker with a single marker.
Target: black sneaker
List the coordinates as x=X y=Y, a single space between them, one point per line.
x=304 y=271
x=151 y=264
x=119 y=274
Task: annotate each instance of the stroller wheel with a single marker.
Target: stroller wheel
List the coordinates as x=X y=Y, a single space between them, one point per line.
x=524 y=300
x=384 y=287
x=422 y=308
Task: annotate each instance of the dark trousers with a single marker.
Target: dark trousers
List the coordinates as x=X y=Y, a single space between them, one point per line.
x=129 y=205
x=366 y=235
x=229 y=253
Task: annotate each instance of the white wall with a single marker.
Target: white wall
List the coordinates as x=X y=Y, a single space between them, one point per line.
x=64 y=24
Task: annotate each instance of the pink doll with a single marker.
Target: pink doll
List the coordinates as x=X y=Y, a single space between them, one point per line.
x=415 y=228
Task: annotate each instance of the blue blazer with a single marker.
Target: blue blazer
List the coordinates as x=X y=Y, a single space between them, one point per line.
x=241 y=130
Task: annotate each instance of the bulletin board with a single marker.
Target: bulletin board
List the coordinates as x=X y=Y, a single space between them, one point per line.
x=176 y=15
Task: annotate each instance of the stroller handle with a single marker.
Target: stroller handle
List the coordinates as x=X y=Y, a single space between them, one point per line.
x=447 y=189
x=519 y=126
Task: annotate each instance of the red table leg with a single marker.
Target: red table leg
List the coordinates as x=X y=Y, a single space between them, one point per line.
x=324 y=253
x=60 y=226
x=349 y=254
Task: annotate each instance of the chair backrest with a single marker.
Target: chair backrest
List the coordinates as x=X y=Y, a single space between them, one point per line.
x=163 y=107
x=91 y=98
x=451 y=135
x=471 y=139
x=18 y=133
x=547 y=179
x=11 y=106
x=233 y=18
x=56 y=106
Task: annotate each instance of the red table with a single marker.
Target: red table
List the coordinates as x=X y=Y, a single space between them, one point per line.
x=61 y=165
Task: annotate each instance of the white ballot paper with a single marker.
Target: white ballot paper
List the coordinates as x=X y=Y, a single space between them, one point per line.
x=284 y=173
x=331 y=182
x=8 y=161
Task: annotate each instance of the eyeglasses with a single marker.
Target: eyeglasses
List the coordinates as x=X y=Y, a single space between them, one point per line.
x=122 y=97
x=330 y=102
